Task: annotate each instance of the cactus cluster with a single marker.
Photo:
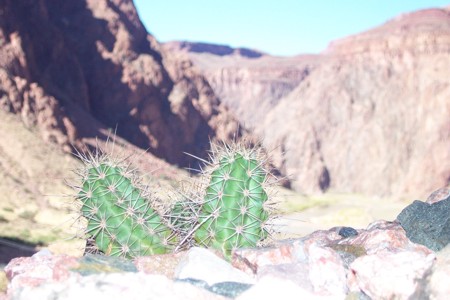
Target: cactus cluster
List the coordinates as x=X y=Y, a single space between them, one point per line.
x=121 y=219
x=230 y=213
x=233 y=214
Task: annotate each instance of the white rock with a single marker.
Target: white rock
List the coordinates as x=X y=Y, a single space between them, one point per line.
x=43 y=252
x=439 y=281
x=114 y=286
x=202 y=264
x=270 y=287
x=390 y=275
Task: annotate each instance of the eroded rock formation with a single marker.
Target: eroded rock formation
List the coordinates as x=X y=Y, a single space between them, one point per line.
x=371 y=114
x=76 y=66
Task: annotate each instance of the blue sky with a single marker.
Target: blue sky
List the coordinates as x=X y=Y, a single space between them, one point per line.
x=278 y=27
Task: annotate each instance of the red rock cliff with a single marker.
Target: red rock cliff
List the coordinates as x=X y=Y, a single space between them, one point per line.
x=72 y=67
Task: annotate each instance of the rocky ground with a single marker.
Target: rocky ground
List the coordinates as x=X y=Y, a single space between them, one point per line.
x=378 y=262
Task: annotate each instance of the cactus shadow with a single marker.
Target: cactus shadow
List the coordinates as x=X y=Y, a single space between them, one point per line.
x=12 y=247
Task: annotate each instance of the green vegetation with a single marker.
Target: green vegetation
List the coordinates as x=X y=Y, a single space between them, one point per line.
x=233 y=214
x=229 y=212
x=121 y=220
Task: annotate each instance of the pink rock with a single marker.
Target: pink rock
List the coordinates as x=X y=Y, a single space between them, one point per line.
x=383 y=235
x=318 y=269
x=38 y=269
x=438 y=195
x=322 y=237
x=297 y=273
x=250 y=260
x=391 y=275
x=307 y=262
x=326 y=271
x=320 y=262
x=284 y=252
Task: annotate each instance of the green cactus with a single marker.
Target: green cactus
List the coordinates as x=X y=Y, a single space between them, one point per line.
x=181 y=217
x=121 y=220
x=234 y=214
x=231 y=212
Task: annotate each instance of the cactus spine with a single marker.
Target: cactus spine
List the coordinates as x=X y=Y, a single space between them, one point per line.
x=233 y=214
x=120 y=218
x=230 y=212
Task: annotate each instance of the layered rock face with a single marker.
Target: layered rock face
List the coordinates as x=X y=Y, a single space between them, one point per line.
x=248 y=86
x=377 y=121
x=371 y=114
x=74 y=67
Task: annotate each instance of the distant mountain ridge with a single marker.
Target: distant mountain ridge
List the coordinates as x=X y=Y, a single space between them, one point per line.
x=421 y=31
x=220 y=50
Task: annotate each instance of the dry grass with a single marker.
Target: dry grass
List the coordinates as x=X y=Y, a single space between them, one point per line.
x=34 y=206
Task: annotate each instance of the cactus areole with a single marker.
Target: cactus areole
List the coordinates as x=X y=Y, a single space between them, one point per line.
x=120 y=220
x=233 y=214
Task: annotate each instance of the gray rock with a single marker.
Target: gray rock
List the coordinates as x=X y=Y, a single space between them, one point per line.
x=94 y=264
x=195 y=282
x=347 y=232
x=228 y=289
x=427 y=224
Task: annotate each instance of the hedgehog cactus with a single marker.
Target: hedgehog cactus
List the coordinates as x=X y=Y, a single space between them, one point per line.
x=234 y=214
x=182 y=217
x=121 y=220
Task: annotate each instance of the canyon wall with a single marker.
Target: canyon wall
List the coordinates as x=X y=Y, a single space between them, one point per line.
x=73 y=67
x=371 y=114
